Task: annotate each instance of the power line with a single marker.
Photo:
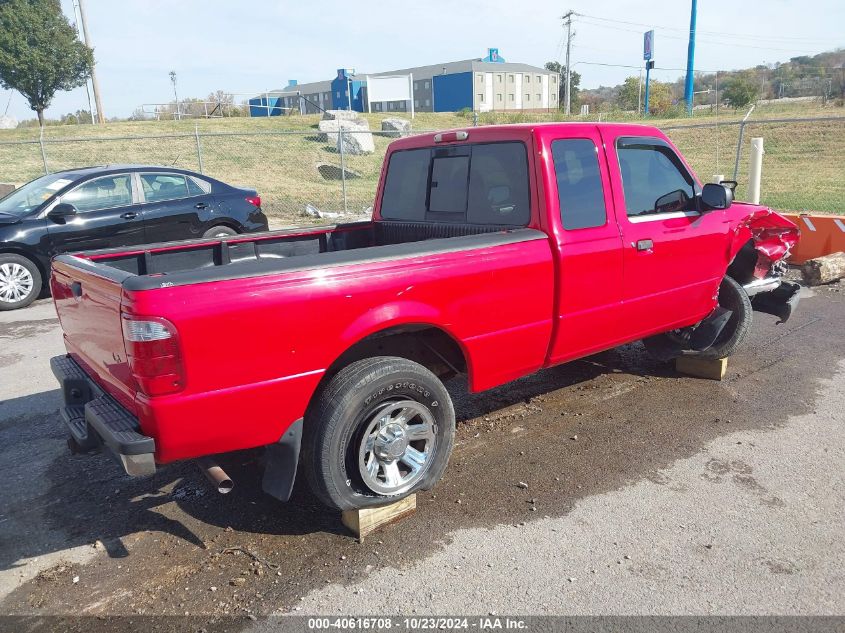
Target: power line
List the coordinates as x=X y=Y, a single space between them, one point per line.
x=719 y=33
x=706 y=40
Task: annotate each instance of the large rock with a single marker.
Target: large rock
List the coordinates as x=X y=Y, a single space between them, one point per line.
x=8 y=122
x=396 y=127
x=329 y=128
x=341 y=115
x=356 y=142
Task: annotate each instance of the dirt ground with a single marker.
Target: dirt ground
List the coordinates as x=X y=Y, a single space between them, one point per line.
x=618 y=452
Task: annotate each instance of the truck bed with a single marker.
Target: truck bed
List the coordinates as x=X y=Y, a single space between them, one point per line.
x=196 y=261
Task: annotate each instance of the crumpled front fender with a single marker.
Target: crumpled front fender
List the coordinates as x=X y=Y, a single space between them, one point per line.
x=773 y=236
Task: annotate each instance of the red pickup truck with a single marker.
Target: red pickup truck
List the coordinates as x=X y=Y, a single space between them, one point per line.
x=492 y=252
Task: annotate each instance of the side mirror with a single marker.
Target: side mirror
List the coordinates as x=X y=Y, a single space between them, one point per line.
x=677 y=200
x=61 y=212
x=715 y=196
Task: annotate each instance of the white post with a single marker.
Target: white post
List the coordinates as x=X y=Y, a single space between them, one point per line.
x=718 y=178
x=755 y=170
x=369 y=101
x=411 y=86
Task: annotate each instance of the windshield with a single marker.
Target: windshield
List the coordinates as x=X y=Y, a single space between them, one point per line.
x=29 y=197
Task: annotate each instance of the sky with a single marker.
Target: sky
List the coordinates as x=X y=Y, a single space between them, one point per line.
x=251 y=46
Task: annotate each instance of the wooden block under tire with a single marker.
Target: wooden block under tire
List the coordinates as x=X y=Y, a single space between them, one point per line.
x=711 y=368
x=367 y=520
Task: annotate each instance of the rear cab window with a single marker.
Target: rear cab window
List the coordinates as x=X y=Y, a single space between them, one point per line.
x=482 y=184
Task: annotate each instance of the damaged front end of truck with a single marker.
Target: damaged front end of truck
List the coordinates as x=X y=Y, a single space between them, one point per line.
x=767 y=239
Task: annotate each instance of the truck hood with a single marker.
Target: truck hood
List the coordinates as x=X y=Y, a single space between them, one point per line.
x=8 y=218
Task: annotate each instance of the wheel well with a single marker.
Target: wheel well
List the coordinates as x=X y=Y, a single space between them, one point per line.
x=743 y=265
x=45 y=274
x=427 y=345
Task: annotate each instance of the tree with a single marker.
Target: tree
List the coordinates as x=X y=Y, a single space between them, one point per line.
x=659 y=97
x=574 y=84
x=39 y=52
x=739 y=91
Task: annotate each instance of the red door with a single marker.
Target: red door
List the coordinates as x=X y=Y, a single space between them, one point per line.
x=673 y=256
x=588 y=244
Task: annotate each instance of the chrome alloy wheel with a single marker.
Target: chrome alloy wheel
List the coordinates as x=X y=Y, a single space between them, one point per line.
x=397 y=447
x=16 y=283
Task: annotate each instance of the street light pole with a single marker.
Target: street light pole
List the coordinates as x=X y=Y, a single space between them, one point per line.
x=100 y=116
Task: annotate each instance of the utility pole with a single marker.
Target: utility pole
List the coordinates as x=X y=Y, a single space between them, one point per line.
x=176 y=96
x=688 y=96
x=100 y=116
x=568 y=18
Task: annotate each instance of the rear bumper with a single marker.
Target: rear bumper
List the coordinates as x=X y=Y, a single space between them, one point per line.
x=95 y=420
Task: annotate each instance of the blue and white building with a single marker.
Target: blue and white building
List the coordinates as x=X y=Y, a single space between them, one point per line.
x=483 y=85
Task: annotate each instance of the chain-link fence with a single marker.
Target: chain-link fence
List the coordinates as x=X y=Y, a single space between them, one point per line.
x=307 y=174
x=802 y=166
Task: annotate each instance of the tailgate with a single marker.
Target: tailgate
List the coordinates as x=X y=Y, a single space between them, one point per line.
x=89 y=309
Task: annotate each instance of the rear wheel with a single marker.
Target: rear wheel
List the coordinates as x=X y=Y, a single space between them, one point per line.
x=380 y=429
x=219 y=231
x=732 y=297
x=20 y=281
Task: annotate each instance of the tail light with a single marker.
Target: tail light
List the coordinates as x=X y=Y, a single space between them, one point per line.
x=254 y=200
x=152 y=349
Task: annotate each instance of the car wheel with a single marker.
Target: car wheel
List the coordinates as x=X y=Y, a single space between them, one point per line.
x=20 y=281
x=219 y=231
x=379 y=430
x=732 y=296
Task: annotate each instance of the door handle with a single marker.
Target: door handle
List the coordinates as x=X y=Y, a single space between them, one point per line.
x=200 y=205
x=644 y=245
x=76 y=289
x=129 y=215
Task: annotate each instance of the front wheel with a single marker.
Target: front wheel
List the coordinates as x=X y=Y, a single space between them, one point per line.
x=379 y=430
x=20 y=281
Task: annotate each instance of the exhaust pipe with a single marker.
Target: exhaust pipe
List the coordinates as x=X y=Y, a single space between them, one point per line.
x=216 y=475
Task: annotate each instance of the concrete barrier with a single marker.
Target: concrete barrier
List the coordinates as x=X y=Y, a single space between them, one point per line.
x=820 y=235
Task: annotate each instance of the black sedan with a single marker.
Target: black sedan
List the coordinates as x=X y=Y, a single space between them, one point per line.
x=104 y=207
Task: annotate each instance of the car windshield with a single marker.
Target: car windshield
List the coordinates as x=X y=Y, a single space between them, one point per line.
x=23 y=201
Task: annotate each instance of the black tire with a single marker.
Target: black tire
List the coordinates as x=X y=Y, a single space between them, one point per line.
x=219 y=231
x=345 y=408
x=732 y=296
x=11 y=266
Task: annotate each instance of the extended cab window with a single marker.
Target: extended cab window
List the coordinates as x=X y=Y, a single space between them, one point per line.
x=654 y=180
x=107 y=192
x=579 y=187
x=484 y=183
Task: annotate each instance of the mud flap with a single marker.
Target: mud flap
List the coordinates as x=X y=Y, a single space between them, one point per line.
x=281 y=461
x=706 y=333
x=780 y=302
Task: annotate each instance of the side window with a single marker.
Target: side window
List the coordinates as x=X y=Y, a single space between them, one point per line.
x=161 y=187
x=654 y=180
x=101 y=193
x=194 y=189
x=486 y=183
x=579 y=187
